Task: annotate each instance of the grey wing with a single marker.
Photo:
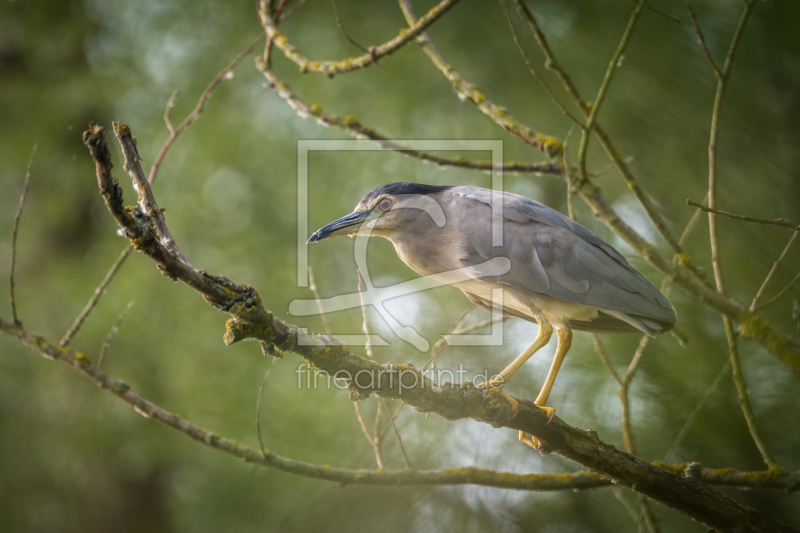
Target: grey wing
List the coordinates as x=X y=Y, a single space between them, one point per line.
x=555 y=256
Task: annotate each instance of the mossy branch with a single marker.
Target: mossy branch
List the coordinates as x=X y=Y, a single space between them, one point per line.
x=332 y=68
x=770 y=479
x=360 y=131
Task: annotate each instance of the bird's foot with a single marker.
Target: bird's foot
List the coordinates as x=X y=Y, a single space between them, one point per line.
x=533 y=442
x=551 y=412
x=507 y=397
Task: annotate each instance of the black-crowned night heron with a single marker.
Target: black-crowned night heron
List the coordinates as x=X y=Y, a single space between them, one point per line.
x=552 y=270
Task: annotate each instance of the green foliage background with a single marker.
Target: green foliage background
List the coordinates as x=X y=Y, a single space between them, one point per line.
x=73 y=458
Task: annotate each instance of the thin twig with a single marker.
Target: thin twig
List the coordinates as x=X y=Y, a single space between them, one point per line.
x=22 y=197
x=341 y=28
x=110 y=336
x=772 y=222
x=595 y=108
x=370 y=438
x=261 y=447
x=291 y=10
x=601 y=351
x=777 y=296
x=744 y=396
x=191 y=117
x=313 y=287
x=567 y=169
x=98 y=292
x=608 y=168
x=377 y=439
x=619 y=495
x=535 y=73
x=722 y=80
x=700 y=405
x=647 y=517
x=702 y=39
x=437 y=349
x=772 y=271
x=738 y=378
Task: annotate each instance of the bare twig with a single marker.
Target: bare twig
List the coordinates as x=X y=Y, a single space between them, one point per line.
x=600 y=350
x=313 y=287
x=341 y=28
x=331 y=68
x=191 y=117
x=772 y=270
x=368 y=435
x=702 y=39
x=700 y=405
x=22 y=197
x=773 y=222
x=375 y=441
x=781 y=293
x=261 y=447
x=568 y=173
x=647 y=517
x=110 y=336
x=738 y=378
x=722 y=82
x=744 y=396
x=98 y=292
x=595 y=107
x=291 y=10
x=535 y=73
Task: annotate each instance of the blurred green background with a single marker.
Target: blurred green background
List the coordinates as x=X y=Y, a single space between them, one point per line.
x=74 y=458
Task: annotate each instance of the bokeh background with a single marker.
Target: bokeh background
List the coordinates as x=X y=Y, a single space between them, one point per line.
x=74 y=458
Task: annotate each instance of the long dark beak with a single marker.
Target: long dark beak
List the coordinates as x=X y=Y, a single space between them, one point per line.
x=343 y=226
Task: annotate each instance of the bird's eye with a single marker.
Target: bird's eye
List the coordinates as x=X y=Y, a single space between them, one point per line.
x=385 y=205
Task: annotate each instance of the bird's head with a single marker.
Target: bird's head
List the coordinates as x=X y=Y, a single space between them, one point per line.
x=387 y=210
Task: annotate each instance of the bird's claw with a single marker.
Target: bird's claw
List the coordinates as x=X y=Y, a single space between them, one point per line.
x=550 y=411
x=507 y=397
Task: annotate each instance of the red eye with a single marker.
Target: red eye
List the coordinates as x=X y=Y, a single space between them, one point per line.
x=385 y=205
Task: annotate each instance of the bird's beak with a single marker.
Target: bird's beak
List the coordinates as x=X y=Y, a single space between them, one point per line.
x=344 y=226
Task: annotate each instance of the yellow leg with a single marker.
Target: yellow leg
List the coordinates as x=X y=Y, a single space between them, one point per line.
x=542 y=338
x=564 y=343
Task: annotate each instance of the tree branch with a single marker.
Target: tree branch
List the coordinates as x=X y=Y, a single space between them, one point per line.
x=773 y=221
x=789 y=482
x=98 y=292
x=22 y=197
x=201 y=103
x=360 y=131
x=331 y=68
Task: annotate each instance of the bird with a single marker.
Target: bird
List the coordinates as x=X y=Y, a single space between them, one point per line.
x=553 y=271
